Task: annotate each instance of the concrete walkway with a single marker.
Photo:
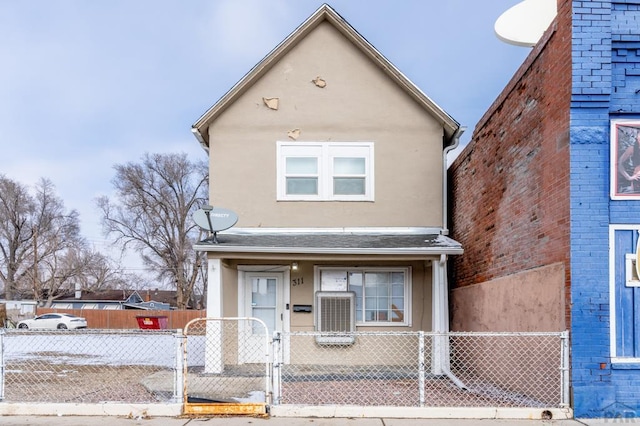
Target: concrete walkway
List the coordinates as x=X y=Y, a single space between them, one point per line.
x=253 y=421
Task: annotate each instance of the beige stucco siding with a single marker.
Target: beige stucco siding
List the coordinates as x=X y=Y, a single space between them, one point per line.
x=359 y=103
x=531 y=300
x=229 y=292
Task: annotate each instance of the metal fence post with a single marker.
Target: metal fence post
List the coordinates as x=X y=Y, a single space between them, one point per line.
x=2 y=369
x=421 y=374
x=267 y=365
x=564 y=369
x=276 y=370
x=178 y=376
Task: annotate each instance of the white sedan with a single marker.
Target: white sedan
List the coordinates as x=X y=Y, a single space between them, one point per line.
x=53 y=322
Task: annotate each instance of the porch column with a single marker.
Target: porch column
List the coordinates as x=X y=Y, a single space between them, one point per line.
x=440 y=316
x=213 y=362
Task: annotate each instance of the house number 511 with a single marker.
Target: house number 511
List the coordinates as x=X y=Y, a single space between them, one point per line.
x=297 y=281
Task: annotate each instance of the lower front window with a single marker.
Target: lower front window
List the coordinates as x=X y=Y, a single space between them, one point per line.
x=381 y=294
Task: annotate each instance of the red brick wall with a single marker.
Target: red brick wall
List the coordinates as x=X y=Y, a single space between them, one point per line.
x=510 y=186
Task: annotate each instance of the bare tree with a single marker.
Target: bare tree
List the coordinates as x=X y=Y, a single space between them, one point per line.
x=155 y=201
x=57 y=234
x=79 y=268
x=100 y=272
x=57 y=273
x=16 y=233
x=35 y=232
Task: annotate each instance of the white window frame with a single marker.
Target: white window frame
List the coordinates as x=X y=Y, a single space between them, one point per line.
x=407 y=291
x=325 y=152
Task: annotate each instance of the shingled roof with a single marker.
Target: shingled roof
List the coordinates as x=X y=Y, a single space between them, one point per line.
x=332 y=242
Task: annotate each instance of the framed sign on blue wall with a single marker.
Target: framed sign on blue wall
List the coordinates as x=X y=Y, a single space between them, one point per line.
x=625 y=159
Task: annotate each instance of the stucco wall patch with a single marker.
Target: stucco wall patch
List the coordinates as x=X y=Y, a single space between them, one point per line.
x=271 y=103
x=318 y=81
x=293 y=134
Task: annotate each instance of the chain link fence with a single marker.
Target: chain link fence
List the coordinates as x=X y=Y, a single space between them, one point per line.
x=89 y=366
x=422 y=369
x=235 y=361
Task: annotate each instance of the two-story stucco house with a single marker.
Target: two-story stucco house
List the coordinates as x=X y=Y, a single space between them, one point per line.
x=335 y=164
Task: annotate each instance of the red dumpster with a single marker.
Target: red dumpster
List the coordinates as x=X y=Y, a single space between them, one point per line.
x=152 y=322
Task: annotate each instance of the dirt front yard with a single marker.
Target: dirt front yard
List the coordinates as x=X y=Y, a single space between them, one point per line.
x=33 y=381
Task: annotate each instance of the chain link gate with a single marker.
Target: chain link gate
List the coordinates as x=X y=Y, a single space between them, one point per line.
x=227 y=366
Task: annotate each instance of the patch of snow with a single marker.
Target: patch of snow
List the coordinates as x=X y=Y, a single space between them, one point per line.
x=254 y=396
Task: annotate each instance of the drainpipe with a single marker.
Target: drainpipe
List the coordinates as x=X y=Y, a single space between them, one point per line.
x=441 y=349
x=447 y=149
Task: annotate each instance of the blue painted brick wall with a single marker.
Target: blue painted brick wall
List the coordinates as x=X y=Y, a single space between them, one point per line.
x=606 y=76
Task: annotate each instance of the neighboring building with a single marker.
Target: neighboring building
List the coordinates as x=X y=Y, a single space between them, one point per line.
x=17 y=310
x=542 y=203
x=335 y=164
x=117 y=299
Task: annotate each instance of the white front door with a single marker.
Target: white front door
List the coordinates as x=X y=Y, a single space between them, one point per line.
x=264 y=298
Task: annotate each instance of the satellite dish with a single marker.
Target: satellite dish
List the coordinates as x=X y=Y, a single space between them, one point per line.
x=524 y=23
x=214 y=219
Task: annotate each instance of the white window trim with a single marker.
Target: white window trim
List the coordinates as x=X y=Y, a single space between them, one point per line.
x=325 y=169
x=612 y=295
x=625 y=360
x=407 y=291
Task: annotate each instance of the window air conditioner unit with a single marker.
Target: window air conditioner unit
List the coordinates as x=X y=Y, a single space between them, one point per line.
x=335 y=315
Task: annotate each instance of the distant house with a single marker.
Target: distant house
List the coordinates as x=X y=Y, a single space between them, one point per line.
x=20 y=307
x=17 y=310
x=118 y=299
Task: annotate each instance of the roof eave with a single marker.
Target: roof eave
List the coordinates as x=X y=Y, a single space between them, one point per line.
x=427 y=251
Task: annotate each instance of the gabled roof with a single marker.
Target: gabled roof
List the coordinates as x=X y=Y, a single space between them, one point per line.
x=114 y=296
x=120 y=297
x=324 y=14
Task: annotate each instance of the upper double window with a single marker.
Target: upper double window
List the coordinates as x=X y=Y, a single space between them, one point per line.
x=325 y=171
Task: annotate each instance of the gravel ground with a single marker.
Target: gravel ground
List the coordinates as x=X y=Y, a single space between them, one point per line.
x=35 y=382
x=438 y=393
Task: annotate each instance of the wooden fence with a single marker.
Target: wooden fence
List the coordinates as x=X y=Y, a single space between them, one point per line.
x=126 y=319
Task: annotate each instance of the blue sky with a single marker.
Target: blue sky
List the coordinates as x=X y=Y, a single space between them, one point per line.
x=85 y=85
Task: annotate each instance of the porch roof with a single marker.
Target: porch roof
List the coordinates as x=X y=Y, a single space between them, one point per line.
x=426 y=242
